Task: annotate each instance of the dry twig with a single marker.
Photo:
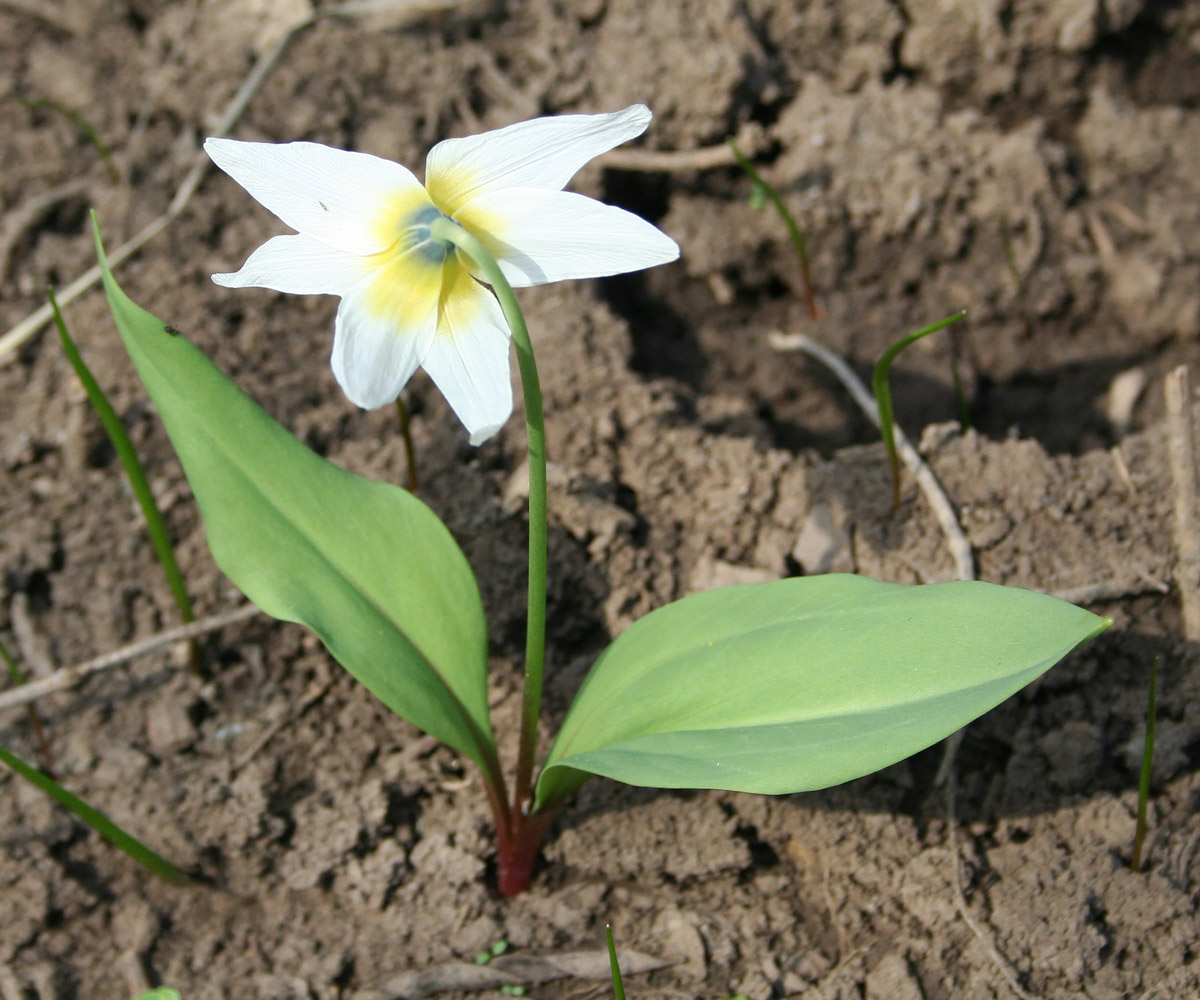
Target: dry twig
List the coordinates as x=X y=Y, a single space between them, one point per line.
x=748 y=138
x=960 y=548
x=1181 y=447
x=48 y=14
x=507 y=970
x=400 y=12
x=32 y=212
x=68 y=677
x=1002 y=964
x=1110 y=590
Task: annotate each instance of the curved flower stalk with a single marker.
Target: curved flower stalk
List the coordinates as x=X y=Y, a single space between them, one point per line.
x=410 y=299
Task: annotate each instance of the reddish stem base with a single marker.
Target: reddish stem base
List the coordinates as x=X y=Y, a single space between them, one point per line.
x=517 y=850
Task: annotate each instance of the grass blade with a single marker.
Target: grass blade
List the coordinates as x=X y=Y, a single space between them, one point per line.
x=104 y=826
x=81 y=123
x=883 y=394
x=794 y=231
x=1139 y=837
x=618 y=985
x=132 y=465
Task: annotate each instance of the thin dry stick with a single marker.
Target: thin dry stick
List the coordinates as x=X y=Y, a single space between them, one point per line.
x=1181 y=447
x=960 y=548
x=32 y=212
x=1110 y=590
x=677 y=161
x=401 y=11
x=68 y=677
x=1001 y=963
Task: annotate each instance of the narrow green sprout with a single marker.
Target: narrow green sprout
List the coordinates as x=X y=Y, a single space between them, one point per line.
x=763 y=190
x=132 y=464
x=81 y=123
x=960 y=395
x=1139 y=837
x=162 y=993
x=143 y=855
x=618 y=983
x=883 y=394
x=1010 y=256
x=35 y=720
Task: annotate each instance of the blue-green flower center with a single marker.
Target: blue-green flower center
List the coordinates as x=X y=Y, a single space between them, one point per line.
x=417 y=236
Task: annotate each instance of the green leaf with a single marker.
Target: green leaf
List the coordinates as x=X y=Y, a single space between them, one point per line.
x=143 y=855
x=803 y=683
x=365 y=565
x=162 y=993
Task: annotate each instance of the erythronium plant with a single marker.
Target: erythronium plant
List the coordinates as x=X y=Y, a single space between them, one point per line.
x=775 y=687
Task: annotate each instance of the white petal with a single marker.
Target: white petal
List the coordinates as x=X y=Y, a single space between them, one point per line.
x=542 y=153
x=541 y=236
x=384 y=328
x=346 y=200
x=300 y=265
x=468 y=359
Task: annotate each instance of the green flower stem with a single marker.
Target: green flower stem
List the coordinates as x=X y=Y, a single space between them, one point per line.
x=449 y=231
x=133 y=469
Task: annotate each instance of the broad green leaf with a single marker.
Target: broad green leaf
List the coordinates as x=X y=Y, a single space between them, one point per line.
x=365 y=565
x=804 y=683
x=143 y=855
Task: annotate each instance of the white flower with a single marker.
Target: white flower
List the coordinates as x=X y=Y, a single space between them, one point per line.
x=362 y=227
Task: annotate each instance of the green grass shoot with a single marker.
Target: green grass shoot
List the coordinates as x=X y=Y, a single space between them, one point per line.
x=132 y=465
x=883 y=394
x=104 y=826
x=1010 y=255
x=35 y=720
x=762 y=190
x=162 y=993
x=618 y=984
x=410 y=451
x=81 y=123
x=1139 y=837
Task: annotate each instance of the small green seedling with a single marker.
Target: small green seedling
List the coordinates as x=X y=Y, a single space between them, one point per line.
x=617 y=981
x=513 y=990
x=762 y=192
x=1139 y=837
x=81 y=123
x=883 y=394
x=35 y=720
x=143 y=855
x=162 y=993
x=410 y=451
x=495 y=951
x=133 y=469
